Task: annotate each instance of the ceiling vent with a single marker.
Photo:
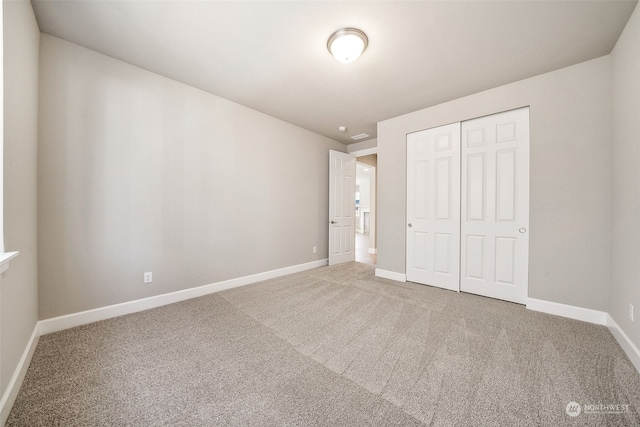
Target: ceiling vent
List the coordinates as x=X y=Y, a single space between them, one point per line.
x=360 y=136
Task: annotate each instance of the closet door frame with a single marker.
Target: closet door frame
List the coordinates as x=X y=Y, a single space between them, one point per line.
x=489 y=243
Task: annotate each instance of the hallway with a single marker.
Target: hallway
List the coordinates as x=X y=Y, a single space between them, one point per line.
x=362 y=249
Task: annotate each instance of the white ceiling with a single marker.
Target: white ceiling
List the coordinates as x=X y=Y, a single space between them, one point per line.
x=271 y=55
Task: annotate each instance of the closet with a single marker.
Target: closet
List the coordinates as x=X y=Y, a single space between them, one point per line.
x=468 y=206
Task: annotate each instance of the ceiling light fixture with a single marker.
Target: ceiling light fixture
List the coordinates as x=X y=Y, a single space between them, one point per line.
x=347 y=44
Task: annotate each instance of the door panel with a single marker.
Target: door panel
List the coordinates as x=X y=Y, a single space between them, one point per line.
x=443 y=188
x=433 y=207
x=505 y=260
x=506 y=185
x=475 y=190
x=495 y=206
x=441 y=253
x=342 y=205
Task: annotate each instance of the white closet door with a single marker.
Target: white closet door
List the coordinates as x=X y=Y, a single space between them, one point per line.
x=495 y=206
x=433 y=207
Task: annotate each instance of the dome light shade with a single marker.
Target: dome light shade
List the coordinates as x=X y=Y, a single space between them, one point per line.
x=347 y=44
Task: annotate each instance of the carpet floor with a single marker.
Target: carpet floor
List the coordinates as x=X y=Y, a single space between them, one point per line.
x=333 y=346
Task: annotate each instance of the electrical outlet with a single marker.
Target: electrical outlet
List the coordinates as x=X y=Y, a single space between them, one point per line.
x=148 y=277
x=631 y=312
x=314 y=249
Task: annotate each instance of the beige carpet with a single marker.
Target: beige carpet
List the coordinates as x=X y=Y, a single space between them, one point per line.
x=333 y=346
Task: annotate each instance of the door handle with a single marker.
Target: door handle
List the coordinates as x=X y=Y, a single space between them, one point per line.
x=522 y=230
x=333 y=222
x=409 y=225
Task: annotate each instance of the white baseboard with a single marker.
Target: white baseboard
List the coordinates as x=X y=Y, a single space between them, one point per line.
x=64 y=322
x=386 y=274
x=60 y=323
x=625 y=342
x=84 y=317
x=570 y=311
x=373 y=250
x=591 y=316
x=13 y=387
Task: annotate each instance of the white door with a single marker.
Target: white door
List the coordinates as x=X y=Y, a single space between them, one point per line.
x=433 y=207
x=342 y=207
x=495 y=206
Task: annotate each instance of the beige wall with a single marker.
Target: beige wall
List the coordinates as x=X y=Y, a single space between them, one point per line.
x=20 y=283
x=141 y=173
x=625 y=231
x=364 y=145
x=570 y=122
x=371 y=159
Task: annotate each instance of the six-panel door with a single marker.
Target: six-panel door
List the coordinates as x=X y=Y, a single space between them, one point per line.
x=342 y=205
x=433 y=207
x=495 y=206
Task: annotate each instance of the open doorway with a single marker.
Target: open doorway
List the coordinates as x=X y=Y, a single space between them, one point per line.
x=365 y=218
